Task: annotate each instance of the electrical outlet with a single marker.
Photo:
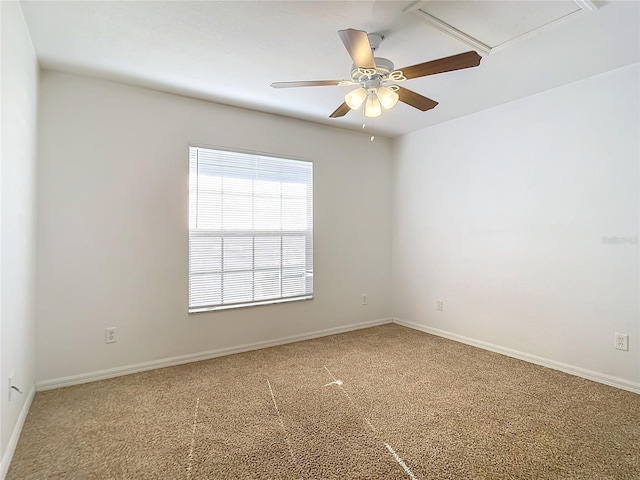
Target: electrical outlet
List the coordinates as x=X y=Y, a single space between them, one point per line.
x=440 y=305
x=110 y=335
x=622 y=341
x=12 y=387
x=364 y=299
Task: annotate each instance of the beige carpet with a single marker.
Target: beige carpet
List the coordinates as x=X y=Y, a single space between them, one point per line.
x=382 y=403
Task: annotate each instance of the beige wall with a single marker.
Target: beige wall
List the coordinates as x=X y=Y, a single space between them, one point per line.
x=113 y=166
x=18 y=221
x=502 y=215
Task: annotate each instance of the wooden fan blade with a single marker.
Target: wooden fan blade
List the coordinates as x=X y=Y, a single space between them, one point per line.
x=341 y=111
x=447 y=64
x=415 y=99
x=357 y=44
x=310 y=83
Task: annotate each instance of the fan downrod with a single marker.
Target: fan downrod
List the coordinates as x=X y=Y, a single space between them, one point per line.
x=375 y=39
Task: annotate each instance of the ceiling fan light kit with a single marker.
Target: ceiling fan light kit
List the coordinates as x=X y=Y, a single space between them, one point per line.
x=375 y=77
x=372 y=108
x=388 y=97
x=356 y=97
x=372 y=83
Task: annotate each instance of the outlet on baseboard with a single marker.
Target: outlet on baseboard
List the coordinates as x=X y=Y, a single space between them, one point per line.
x=622 y=341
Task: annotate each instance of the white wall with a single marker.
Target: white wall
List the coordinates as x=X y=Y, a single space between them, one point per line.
x=112 y=244
x=17 y=225
x=502 y=214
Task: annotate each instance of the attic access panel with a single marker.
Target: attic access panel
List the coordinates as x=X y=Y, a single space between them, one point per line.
x=488 y=25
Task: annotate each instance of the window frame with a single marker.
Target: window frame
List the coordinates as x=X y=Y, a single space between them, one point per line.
x=279 y=232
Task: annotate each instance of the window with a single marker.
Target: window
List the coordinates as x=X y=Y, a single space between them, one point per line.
x=250 y=229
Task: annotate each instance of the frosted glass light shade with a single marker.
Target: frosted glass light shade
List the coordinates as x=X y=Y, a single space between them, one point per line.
x=355 y=98
x=372 y=107
x=388 y=98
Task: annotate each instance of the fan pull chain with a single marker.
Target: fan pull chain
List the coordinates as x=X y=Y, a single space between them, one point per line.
x=364 y=124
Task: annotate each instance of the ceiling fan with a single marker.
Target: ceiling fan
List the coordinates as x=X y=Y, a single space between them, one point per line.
x=376 y=77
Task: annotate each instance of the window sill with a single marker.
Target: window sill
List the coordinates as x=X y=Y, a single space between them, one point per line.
x=248 y=304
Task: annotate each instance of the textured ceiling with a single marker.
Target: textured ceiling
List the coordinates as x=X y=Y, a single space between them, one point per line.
x=231 y=51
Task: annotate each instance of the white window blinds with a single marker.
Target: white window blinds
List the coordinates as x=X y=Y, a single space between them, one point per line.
x=250 y=229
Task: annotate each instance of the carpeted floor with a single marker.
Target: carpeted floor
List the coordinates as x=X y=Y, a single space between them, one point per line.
x=382 y=403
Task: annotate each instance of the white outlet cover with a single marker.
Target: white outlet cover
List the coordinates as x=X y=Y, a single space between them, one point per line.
x=622 y=341
x=112 y=331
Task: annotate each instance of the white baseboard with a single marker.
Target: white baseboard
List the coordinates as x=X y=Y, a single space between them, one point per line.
x=527 y=357
x=15 y=435
x=196 y=357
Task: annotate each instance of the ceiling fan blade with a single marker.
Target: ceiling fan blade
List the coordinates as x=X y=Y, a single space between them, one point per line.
x=341 y=111
x=310 y=83
x=415 y=99
x=447 y=64
x=357 y=44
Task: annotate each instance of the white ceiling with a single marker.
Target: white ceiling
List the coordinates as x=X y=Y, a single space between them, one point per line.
x=230 y=52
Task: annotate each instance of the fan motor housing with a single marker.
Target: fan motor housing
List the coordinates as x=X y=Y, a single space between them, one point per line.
x=384 y=67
